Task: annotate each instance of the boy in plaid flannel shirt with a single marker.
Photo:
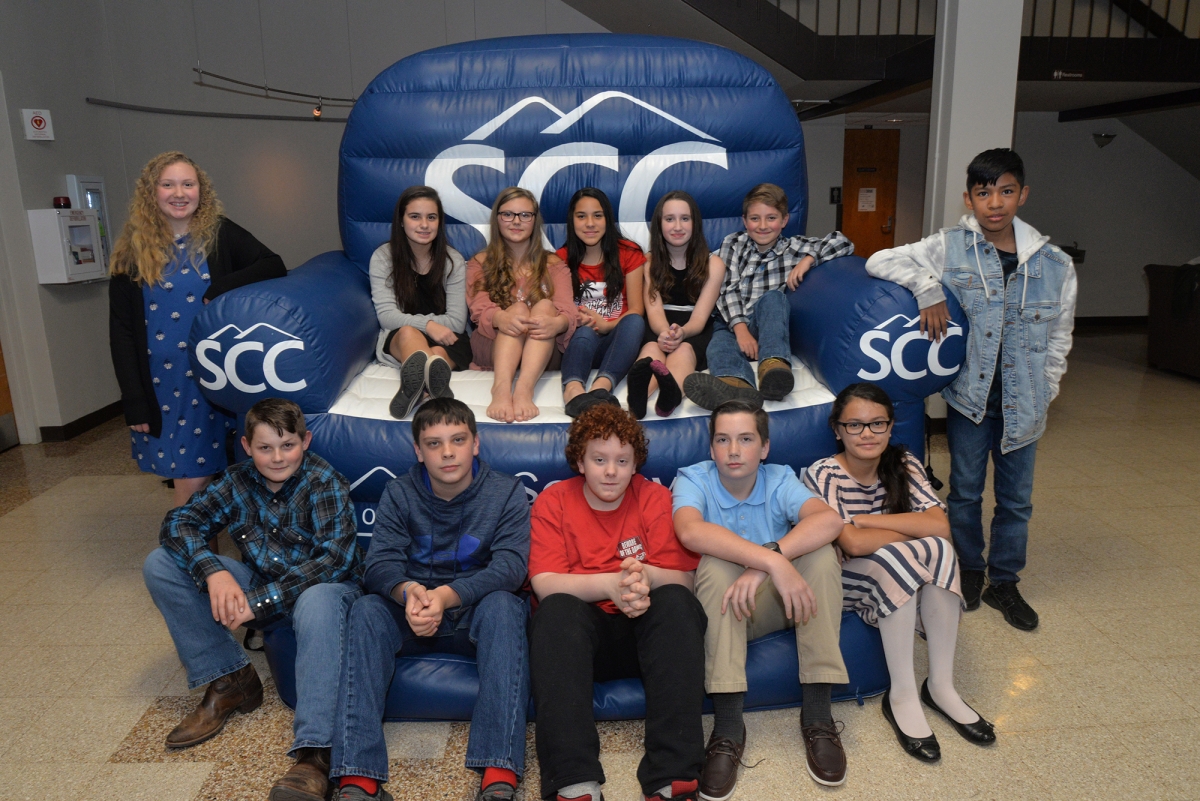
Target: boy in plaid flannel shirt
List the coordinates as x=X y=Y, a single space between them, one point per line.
x=290 y=515
x=753 y=319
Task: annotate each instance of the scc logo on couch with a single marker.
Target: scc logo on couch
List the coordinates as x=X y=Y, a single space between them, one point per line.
x=888 y=353
x=248 y=365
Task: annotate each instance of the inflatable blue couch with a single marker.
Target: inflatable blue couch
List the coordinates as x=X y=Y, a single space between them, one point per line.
x=636 y=116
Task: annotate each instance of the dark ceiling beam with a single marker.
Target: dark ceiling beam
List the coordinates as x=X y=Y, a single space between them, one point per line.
x=873 y=95
x=1149 y=19
x=1116 y=59
x=1188 y=97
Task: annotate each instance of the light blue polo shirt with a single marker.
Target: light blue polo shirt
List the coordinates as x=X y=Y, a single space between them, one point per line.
x=771 y=511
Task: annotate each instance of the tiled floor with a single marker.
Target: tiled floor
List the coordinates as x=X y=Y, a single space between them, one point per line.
x=1102 y=701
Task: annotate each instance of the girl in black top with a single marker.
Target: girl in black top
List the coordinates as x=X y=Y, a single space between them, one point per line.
x=176 y=253
x=680 y=293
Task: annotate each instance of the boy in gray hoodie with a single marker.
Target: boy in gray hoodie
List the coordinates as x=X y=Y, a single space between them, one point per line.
x=1018 y=291
x=449 y=550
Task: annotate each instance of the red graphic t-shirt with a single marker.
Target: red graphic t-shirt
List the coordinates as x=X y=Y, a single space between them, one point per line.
x=569 y=536
x=592 y=285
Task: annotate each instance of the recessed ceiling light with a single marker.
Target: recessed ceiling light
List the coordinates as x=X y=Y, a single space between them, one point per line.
x=894 y=120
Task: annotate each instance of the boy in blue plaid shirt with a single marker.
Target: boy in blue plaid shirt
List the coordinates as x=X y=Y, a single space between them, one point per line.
x=752 y=320
x=290 y=515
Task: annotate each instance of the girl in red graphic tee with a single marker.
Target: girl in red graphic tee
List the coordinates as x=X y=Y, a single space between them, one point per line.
x=606 y=276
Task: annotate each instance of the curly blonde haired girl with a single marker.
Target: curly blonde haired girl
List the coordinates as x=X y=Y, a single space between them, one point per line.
x=177 y=252
x=146 y=243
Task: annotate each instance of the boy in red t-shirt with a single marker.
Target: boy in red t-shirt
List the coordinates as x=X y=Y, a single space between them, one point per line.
x=606 y=276
x=615 y=592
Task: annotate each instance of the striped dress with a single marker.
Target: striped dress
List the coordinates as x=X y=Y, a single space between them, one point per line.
x=875 y=586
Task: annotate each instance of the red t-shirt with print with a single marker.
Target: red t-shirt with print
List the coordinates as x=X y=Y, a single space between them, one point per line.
x=592 y=285
x=569 y=536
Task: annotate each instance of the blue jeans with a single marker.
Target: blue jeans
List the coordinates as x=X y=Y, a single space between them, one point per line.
x=1012 y=483
x=209 y=651
x=768 y=323
x=613 y=352
x=378 y=632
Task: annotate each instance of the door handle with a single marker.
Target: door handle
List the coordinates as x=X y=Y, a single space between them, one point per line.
x=887 y=228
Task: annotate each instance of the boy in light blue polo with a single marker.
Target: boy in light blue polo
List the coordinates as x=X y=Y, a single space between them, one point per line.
x=767 y=564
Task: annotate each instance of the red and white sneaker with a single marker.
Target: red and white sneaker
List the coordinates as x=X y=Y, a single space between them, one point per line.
x=680 y=791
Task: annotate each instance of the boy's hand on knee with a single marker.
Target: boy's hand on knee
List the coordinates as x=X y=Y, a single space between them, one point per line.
x=227 y=600
x=799 y=603
x=740 y=596
x=935 y=320
x=747 y=344
x=797 y=274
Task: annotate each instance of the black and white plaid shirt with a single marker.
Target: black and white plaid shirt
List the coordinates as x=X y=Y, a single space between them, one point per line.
x=301 y=536
x=750 y=274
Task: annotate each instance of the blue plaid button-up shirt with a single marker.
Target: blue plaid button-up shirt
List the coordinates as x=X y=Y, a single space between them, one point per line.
x=750 y=273
x=292 y=539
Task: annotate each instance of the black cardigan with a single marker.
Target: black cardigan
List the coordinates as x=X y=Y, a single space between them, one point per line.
x=236 y=259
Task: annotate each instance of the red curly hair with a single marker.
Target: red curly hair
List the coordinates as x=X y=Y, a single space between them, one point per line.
x=601 y=422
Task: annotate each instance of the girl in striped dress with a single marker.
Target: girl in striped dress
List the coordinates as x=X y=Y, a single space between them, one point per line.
x=897 y=561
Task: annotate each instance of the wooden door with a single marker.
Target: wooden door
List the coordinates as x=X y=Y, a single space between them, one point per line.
x=8 y=424
x=869 y=170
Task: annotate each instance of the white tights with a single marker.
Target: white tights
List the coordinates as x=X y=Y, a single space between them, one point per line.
x=940 y=612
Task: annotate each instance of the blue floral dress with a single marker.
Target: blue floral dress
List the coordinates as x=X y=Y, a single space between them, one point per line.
x=192 y=443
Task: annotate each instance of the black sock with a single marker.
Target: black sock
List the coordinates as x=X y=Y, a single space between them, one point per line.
x=669 y=393
x=816 y=704
x=637 y=387
x=727 y=715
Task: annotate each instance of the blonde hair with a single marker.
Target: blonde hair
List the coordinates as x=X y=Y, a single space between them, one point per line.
x=146 y=243
x=497 y=278
x=770 y=194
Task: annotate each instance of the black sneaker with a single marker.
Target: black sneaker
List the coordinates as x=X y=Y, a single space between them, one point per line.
x=972 y=582
x=1007 y=598
x=496 y=791
x=412 y=385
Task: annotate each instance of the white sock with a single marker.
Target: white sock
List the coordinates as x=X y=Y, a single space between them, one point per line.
x=898 y=631
x=582 y=789
x=665 y=792
x=940 y=612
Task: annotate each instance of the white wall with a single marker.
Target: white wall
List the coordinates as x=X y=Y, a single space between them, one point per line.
x=1127 y=205
x=910 y=183
x=824 y=143
x=278 y=179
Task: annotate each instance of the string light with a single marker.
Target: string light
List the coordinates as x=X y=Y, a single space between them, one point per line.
x=317 y=110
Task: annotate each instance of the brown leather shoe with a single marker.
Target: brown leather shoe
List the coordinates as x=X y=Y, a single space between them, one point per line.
x=722 y=758
x=240 y=691
x=307 y=780
x=826 y=759
x=775 y=379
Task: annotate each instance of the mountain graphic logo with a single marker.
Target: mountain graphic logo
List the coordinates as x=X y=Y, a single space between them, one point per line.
x=695 y=146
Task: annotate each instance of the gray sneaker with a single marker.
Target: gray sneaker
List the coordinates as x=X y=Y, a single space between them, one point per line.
x=496 y=791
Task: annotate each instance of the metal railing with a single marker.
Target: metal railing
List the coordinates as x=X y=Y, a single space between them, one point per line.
x=1112 y=19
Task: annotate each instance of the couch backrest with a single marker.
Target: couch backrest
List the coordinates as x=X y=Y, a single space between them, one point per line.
x=635 y=116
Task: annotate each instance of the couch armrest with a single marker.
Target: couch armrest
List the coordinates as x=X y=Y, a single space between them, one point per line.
x=848 y=327
x=302 y=337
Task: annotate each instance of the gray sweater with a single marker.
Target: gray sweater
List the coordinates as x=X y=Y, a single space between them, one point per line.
x=384 y=297
x=477 y=542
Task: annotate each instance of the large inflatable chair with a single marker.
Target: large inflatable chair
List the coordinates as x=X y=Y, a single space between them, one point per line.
x=636 y=116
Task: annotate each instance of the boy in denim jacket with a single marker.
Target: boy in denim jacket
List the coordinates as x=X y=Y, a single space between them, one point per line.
x=1018 y=291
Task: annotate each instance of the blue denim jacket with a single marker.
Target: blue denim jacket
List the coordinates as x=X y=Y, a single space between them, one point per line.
x=1031 y=318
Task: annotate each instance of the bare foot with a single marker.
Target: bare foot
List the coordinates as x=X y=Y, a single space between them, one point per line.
x=523 y=406
x=501 y=407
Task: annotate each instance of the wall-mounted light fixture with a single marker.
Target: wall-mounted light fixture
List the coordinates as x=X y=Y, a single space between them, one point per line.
x=1103 y=140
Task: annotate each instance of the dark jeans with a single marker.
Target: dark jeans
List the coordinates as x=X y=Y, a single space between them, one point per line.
x=1012 y=481
x=574 y=643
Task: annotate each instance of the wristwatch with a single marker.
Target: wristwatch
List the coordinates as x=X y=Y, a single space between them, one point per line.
x=773 y=546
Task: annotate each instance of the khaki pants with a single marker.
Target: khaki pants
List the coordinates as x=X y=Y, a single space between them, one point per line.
x=817 y=642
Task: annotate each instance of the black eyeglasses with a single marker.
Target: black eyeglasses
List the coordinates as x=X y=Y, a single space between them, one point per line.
x=509 y=216
x=855 y=427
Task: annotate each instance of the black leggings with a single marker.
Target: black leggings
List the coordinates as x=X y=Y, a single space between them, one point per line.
x=574 y=643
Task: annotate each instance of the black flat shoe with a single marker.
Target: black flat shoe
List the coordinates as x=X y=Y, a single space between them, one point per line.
x=980 y=732
x=925 y=749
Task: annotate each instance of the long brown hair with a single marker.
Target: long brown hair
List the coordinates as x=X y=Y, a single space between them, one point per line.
x=146 y=243
x=498 y=278
x=662 y=277
x=413 y=290
x=610 y=247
